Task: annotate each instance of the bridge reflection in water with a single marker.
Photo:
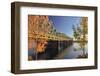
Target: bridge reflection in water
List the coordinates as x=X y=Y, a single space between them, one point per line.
x=72 y=52
x=53 y=48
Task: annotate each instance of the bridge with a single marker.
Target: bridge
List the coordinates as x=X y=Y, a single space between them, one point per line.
x=48 y=36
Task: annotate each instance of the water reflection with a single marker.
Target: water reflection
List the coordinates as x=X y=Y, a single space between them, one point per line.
x=52 y=51
x=72 y=52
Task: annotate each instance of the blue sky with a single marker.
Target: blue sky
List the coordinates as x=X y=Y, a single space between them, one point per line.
x=64 y=24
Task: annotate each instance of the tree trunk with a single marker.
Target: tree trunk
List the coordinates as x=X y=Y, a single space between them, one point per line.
x=83 y=51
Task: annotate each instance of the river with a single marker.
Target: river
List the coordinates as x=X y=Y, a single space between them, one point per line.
x=72 y=52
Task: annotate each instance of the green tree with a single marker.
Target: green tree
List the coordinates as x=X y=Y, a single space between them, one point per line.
x=80 y=34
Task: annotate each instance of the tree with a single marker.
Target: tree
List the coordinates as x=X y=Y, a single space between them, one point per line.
x=80 y=33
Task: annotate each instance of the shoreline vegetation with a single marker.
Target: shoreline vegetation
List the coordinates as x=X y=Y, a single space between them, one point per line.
x=80 y=34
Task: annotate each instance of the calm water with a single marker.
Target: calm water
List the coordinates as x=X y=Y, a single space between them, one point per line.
x=71 y=52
